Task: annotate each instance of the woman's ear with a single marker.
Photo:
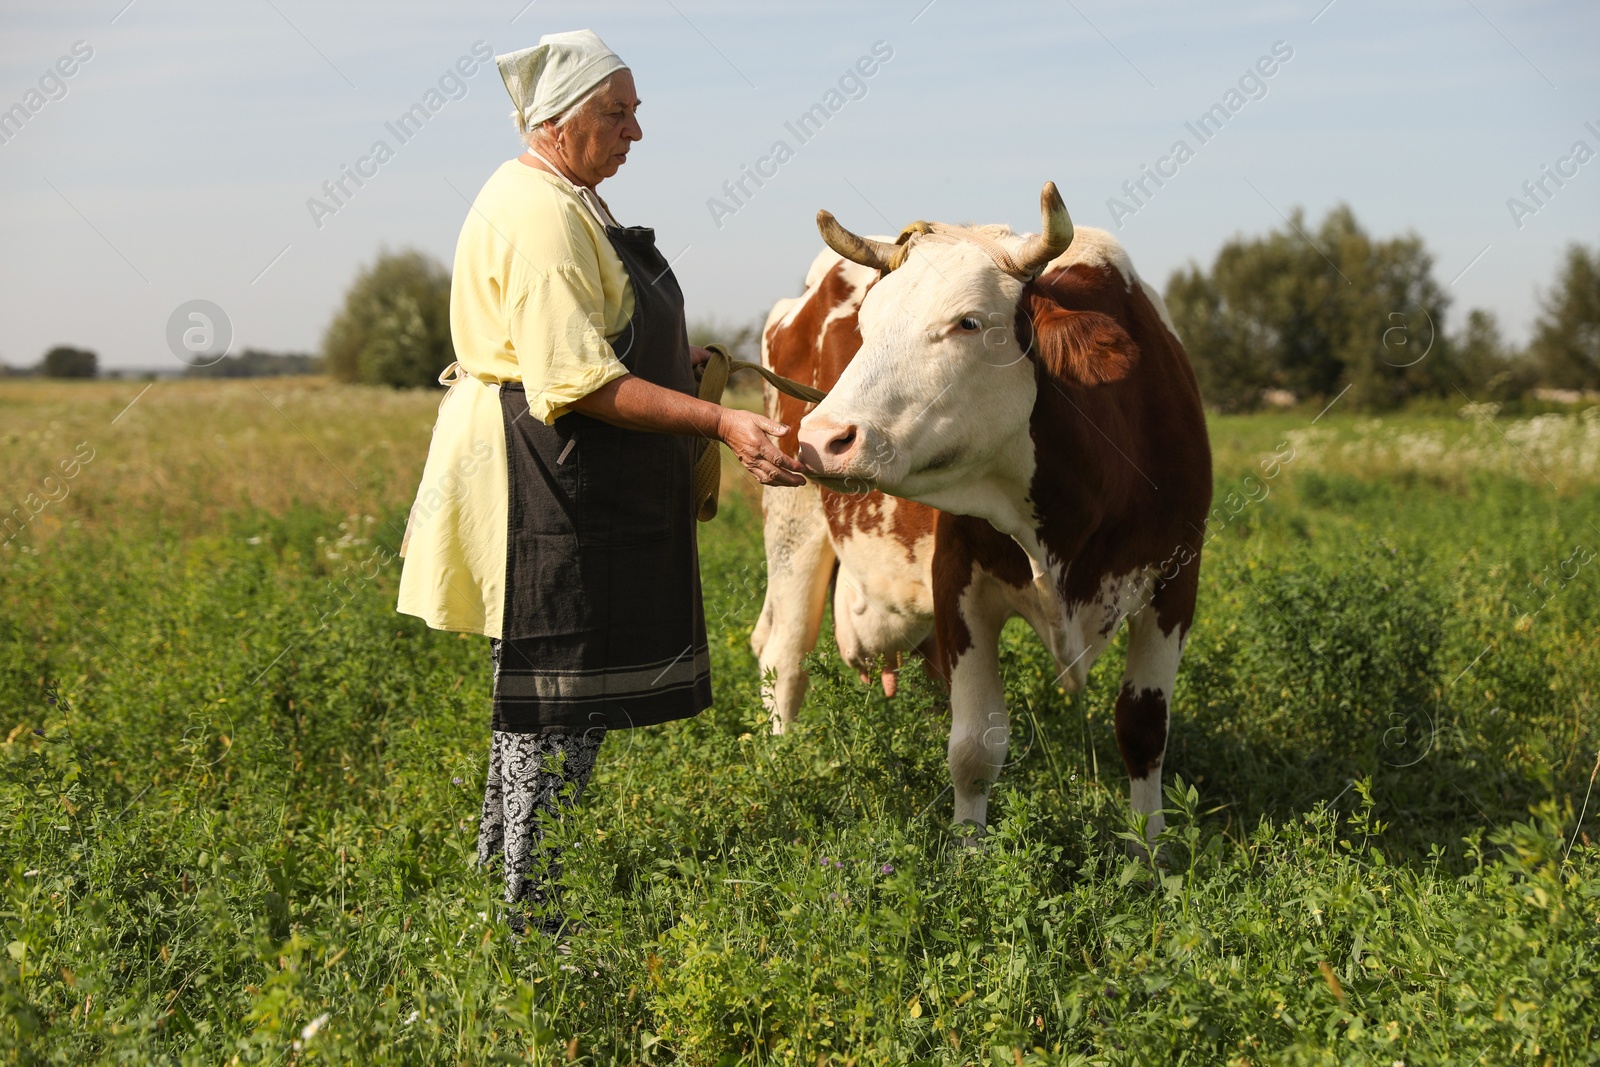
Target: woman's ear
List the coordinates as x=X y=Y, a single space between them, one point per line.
x=1085 y=347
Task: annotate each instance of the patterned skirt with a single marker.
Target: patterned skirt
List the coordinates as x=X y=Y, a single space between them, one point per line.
x=533 y=779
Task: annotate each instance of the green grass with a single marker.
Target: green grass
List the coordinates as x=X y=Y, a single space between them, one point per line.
x=240 y=793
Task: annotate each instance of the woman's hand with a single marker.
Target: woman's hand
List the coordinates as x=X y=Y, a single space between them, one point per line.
x=635 y=404
x=750 y=437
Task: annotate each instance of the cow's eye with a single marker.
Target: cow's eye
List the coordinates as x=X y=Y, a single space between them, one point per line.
x=970 y=324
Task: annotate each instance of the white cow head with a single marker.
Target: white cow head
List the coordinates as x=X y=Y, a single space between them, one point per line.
x=940 y=392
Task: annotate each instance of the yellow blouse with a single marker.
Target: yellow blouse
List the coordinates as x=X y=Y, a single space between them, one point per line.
x=537 y=290
x=536 y=295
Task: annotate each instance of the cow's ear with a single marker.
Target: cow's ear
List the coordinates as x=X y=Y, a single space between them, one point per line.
x=1081 y=346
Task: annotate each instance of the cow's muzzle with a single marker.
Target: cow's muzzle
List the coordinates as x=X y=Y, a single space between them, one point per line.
x=829 y=448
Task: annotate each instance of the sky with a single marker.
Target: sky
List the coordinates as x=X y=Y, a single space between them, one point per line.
x=182 y=157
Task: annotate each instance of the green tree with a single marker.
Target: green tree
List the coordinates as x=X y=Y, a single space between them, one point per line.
x=64 y=361
x=1489 y=367
x=1566 y=336
x=1233 y=356
x=394 y=328
x=1313 y=313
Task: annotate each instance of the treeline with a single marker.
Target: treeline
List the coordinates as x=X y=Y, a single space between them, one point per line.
x=62 y=361
x=1300 y=314
x=66 y=361
x=1295 y=315
x=256 y=363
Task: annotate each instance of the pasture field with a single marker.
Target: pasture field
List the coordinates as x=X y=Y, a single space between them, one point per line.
x=240 y=793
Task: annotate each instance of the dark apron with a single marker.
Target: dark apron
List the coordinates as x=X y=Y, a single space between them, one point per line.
x=603 y=623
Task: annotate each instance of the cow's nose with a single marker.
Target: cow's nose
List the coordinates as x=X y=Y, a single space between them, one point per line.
x=827 y=446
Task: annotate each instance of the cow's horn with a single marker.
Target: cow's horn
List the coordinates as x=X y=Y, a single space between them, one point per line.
x=1055 y=232
x=879 y=255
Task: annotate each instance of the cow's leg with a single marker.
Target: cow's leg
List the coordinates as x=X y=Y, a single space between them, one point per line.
x=1143 y=709
x=799 y=563
x=979 y=725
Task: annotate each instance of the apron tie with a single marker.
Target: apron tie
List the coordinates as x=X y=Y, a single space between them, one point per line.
x=450 y=377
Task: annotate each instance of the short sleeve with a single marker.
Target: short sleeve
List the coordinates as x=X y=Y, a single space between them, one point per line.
x=557 y=329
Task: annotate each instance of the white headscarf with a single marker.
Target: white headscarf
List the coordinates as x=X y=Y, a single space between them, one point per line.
x=553 y=75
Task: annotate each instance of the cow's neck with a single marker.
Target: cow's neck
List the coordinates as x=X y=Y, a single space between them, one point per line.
x=1003 y=496
x=1012 y=512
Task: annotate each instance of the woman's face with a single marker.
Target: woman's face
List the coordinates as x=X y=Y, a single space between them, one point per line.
x=595 y=141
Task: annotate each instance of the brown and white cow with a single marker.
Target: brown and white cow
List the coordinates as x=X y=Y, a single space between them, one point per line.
x=878 y=550
x=1033 y=390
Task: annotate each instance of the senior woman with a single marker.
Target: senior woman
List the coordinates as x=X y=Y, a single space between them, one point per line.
x=555 y=512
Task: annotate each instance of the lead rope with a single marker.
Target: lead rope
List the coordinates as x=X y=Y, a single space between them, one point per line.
x=713 y=380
